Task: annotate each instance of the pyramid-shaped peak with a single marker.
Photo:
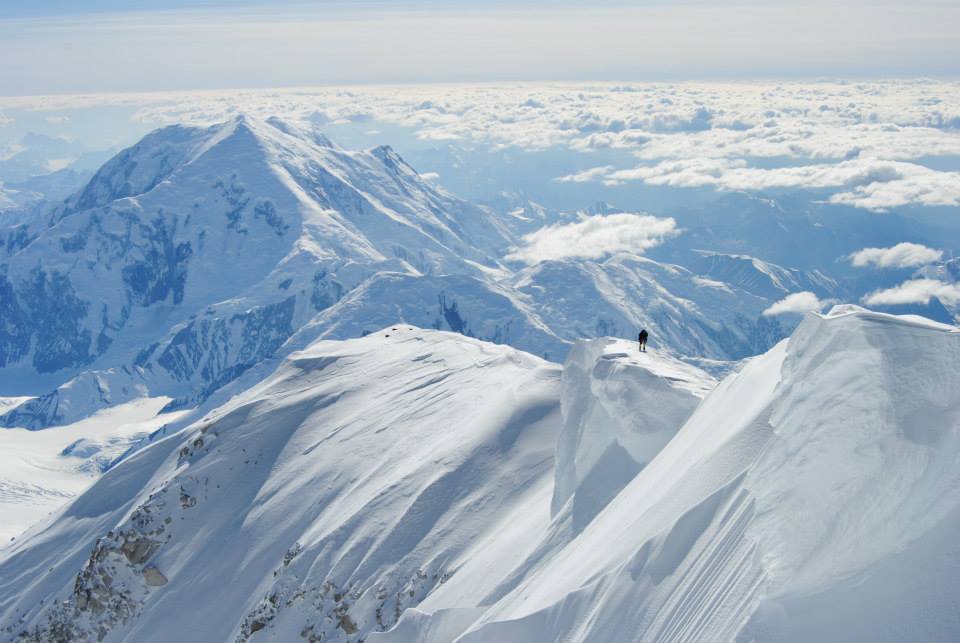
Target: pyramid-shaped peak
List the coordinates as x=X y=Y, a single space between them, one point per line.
x=391 y=159
x=302 y=131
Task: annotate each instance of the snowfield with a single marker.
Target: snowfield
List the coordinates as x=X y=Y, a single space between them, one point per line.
x=330 y=497
x=810 y=497
x=422 y=486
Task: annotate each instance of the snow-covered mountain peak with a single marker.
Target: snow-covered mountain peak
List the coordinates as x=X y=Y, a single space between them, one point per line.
x=328 y=498
x=358 y=489
x=250 y=221
x=811 y=496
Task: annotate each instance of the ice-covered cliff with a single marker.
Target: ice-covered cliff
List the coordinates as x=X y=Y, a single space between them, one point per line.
x=810 y=497
x=620 y=407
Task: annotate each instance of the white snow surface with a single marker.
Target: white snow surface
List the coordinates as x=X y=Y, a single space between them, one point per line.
x=811 y=497
x=43 y=470
x=405 y=482
x=620 y=407
x=331 y=496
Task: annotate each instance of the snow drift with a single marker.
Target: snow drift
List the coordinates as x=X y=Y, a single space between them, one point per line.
x=620 y=407
x=322 y=503
x=403 y=487
x=811 y=497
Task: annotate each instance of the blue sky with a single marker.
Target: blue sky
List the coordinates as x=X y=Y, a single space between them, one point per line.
x=100 y=45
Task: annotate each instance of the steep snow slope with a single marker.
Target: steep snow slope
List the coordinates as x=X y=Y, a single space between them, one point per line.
x=811 y=497
x=620 y=408
x=318 y=505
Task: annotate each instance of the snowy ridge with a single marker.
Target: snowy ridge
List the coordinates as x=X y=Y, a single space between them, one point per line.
x=804 y=500
x=358 y=494
x=284 y=509
x=620 y=407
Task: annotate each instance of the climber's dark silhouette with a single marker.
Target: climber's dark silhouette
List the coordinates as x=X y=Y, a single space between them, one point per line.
x=642 y=338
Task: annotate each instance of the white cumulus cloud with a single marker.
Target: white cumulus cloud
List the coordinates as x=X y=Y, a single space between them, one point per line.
x=861 y=143
x=902 y=255
x=863 y=183
x=595 y=237
x=585 y=176
x=798 y=302
x=915 y=291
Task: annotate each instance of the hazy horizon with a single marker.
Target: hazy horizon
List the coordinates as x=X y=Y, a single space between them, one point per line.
x=58 y=48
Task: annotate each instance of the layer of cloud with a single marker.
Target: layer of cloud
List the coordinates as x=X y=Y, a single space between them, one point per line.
x=902 y=255
x=828 y=121
x=915 y=291
x=863 y=183
x=585 y=176
x=595 y=237
x=864 y=144
x=795 y=303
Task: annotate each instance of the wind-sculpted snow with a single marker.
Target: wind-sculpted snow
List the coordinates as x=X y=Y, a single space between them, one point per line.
x=620 y=408
x=402 y=487
x=317 y=506
x=808 y=498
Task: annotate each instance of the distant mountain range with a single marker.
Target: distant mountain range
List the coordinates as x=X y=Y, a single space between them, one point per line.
x=200 y=252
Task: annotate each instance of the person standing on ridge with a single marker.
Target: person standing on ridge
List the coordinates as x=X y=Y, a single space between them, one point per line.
x=643 y=340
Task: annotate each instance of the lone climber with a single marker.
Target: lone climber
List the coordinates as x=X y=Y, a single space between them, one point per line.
x=643 y=340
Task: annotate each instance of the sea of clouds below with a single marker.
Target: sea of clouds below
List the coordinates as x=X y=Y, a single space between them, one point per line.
x=874 y=145
x=867 y=143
